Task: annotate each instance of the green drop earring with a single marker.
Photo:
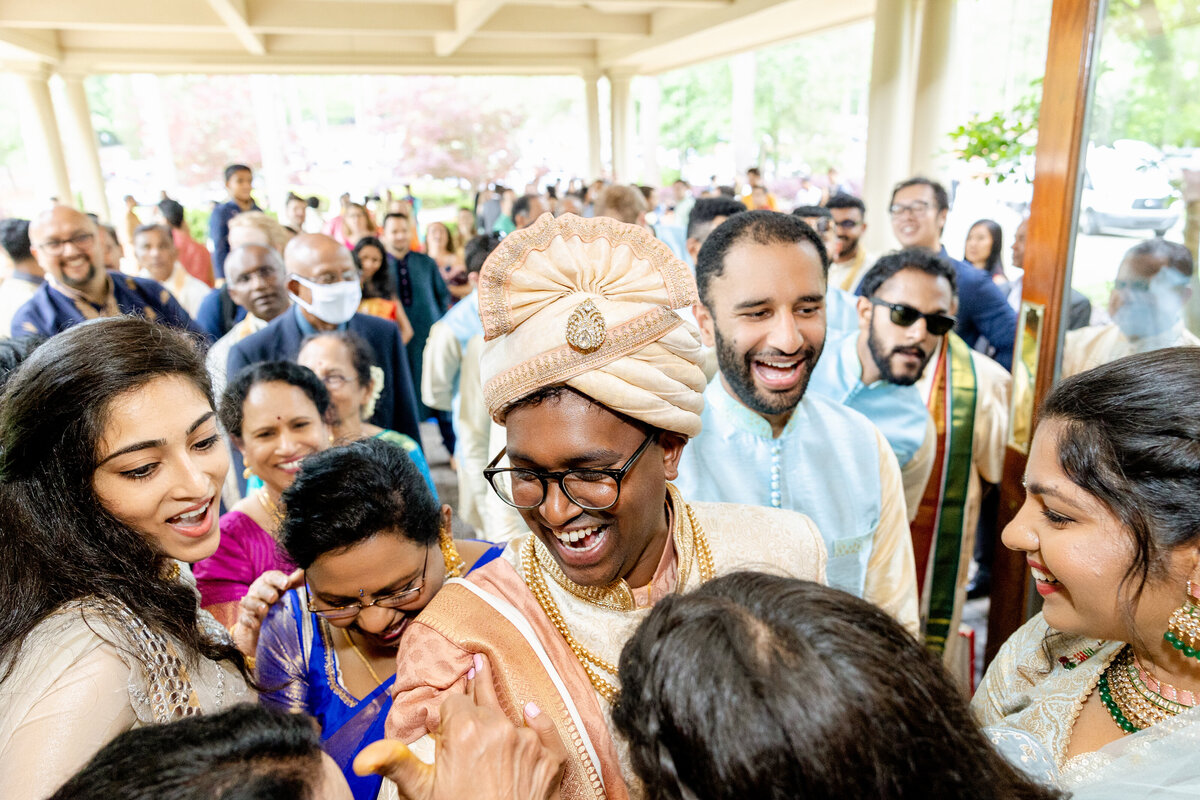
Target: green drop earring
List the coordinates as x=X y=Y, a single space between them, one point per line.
x=1183 y=629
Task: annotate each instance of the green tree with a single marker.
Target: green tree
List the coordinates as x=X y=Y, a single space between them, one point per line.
x=694 y=112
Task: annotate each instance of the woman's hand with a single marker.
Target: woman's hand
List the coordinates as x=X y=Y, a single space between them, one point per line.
x=480 y=754
x=252 y=610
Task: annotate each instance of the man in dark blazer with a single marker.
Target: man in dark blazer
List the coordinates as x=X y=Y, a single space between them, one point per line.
x=316 y=262
x=918 y=210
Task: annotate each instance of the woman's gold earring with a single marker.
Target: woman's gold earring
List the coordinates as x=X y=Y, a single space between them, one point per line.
x=246 y=473
x=1183 y=629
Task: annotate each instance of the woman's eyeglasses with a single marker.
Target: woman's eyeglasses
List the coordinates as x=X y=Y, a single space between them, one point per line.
x=393 y=601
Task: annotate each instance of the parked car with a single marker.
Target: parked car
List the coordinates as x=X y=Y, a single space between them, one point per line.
x=1127 y=187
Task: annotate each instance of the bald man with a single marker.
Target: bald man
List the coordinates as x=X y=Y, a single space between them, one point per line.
x=324 y=287
x=68 y=247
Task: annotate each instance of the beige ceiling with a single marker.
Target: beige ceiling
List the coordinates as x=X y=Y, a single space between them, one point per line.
x=386 y=36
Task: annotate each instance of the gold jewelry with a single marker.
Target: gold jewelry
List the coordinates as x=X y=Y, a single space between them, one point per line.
x=250 y=665
x=246 y=473
x=170 y=571
x=1183 y=629
x=455 y=566
x=685 y=536
x=271 y=507
x=1132 y=705
x=366 y=662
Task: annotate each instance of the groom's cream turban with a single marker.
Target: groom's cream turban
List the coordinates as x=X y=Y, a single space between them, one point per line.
x=589 y=303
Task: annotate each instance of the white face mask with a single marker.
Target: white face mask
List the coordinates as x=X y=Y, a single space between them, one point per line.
x=334 y=303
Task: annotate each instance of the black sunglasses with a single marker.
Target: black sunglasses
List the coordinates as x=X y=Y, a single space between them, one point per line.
x=907 y=316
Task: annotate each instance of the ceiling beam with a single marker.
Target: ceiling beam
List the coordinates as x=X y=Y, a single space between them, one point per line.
x=233 y=14
x=360 y=18
x=224 y=62
x=469 y=16
x=539 y=21
x=110 y=15
x=32 y=44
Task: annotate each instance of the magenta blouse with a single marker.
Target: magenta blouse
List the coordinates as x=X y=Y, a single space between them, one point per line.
x=246 y=551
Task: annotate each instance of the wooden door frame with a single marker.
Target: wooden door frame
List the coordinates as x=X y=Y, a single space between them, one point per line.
x=1075 y=28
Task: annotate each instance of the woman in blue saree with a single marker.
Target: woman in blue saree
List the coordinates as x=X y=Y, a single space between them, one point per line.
x=374 y=547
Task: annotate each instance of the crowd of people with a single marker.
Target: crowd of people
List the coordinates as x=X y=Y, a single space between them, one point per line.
x=725 y=476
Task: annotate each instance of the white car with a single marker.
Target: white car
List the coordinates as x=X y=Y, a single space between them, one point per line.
x=1127 y=188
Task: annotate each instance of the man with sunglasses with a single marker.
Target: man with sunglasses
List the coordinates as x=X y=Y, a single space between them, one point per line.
x=597 y=381
x=907 y=347
x=67 y=246
x=918 y=209
x=766 y=440
x=851 y=261
x=902 y=317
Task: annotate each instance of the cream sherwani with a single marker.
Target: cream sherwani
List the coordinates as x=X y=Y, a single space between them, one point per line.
x=438 y=646
x=450 y=381
x=847 y=275
x=989 y=433
x=1088 y=348
x=187 y=290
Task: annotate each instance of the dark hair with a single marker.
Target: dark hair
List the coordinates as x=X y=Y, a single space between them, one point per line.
x=111 y=231
x=380 y=284
x=995 y=263
x=172 y=212
x=843 y=200
x=292 y=197
x=152 y=227
x=394 y=215
x=754 y=171
x=478 y=249
x=362 y=355
x=347 y=494
x=1131 y=439
x=234 y=169
x=917 y=258
x=521 y=205
x=706 y=209
x=57 y=540
x=13 y=353
x=940 y=198
x=232 y=409
x=245 y=753
x=811 y=211
x=769 y=687
x=763 y=227
x=726 y=191
x=1178 y=257
x=14 y=238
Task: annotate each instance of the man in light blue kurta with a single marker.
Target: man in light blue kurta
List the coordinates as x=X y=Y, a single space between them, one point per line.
x=765 y=441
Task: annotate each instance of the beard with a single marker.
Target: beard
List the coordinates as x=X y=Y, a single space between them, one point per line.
x=883 y=360
x=81 y=283
x=736 y=368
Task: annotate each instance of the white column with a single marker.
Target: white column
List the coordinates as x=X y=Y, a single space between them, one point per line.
x=86 y=149
x=39 y=130
x=591 y=91
x=622 y=125
x=648 y=100
x=745 y=149
x=147 y=91
x=267 y=113
x=889 y=117
x=933 y=103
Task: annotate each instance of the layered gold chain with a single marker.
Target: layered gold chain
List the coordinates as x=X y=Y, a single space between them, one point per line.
x=688 y=538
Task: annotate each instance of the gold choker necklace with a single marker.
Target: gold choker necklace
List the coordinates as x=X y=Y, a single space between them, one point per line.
x=690 y=544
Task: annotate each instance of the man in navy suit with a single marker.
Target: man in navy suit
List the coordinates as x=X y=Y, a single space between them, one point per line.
x=323 y=282
x=919 y=207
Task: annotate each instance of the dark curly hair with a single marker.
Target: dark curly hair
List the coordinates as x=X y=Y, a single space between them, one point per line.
x=759 y=227
x=245 y=752
x=346 y=495
x=58 y=542
x=1130 y=437
x=775 y=688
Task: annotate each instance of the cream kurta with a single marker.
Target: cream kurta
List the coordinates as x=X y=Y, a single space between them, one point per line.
x=739 y=538
x=72 y=690
x=450 y=382
x=848 y=274
x=1088 y=348
x=993 y=385
x=187 y=290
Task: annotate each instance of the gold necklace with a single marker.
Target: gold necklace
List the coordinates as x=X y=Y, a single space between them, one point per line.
x=1133 y=705
x=170 y=571
x=361 y=657
x=536 y=580
x=272 y=508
